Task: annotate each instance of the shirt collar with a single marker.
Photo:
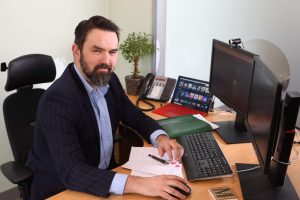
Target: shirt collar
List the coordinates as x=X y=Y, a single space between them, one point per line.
x=102 y=90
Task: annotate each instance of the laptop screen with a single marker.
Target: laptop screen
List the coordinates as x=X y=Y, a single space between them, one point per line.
x=192 y=93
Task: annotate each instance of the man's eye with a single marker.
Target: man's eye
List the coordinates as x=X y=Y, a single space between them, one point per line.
x=113 y=52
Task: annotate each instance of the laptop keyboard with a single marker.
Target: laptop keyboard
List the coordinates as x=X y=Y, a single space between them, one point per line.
x=203 y=158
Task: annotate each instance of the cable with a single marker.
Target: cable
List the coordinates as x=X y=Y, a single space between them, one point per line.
x=247 y=170
x=278 y=161
x=152 y=107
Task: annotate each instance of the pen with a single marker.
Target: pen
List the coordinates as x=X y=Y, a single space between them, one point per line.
x=158 y=159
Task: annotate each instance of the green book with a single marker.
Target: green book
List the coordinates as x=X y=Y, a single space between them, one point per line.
x=184 y=125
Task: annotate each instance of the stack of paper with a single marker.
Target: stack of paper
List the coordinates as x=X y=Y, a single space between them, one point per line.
x=142 y=165
x=200 y=117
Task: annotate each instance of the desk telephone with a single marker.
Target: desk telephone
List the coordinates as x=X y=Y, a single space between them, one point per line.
x=158 y=88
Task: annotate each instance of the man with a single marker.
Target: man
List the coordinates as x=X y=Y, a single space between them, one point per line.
x=77 y=119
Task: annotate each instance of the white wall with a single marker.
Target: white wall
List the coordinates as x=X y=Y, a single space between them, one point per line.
x=135 y=18
x=191 y=25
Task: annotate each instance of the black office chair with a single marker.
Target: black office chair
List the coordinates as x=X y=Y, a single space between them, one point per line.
x=19 y=110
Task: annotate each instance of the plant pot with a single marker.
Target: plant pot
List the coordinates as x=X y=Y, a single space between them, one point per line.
x=133 y=85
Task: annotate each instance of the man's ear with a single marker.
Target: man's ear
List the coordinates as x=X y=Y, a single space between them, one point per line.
x=76 y=52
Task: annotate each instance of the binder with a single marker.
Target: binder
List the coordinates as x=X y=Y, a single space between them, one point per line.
x=184 y=125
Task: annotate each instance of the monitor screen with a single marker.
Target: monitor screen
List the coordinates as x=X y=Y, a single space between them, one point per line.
x=230 y=81
x=192 y=93
x=263 y=117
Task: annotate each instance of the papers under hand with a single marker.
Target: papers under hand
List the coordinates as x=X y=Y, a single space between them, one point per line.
x=142 y=165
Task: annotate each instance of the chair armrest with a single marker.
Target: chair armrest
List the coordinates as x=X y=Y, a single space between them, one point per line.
x=16 y=172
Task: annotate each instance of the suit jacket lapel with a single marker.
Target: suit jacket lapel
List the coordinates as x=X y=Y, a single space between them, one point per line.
x=85 y=99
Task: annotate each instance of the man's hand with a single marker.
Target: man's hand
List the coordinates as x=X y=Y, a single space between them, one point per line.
x=165 y=144
x=156 y=186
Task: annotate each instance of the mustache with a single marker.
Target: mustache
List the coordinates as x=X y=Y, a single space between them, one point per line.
x=103 y=66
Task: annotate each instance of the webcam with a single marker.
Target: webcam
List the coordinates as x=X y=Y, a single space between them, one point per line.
x=235 y=43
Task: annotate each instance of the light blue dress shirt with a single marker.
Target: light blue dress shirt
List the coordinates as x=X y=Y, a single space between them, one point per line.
x=106 y=139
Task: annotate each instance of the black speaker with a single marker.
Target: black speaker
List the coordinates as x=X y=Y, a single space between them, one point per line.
x=286 y=134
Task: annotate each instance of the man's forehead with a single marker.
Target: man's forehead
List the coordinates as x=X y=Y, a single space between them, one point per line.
x=102 y=34
x=101 y=38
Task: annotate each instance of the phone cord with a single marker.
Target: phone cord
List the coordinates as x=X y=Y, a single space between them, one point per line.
x=152 y=107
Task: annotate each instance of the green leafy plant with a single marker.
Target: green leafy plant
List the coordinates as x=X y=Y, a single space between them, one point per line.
x=135 y=47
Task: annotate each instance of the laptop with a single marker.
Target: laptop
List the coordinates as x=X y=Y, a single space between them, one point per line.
x=191 y=96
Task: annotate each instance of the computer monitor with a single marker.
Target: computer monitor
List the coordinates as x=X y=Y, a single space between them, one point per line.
x=264 y=122
x=230 y=81
x=264 y=111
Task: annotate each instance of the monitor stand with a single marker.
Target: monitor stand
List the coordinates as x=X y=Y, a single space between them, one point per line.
x=230 y=135
x=256 y=185
x=234 y=132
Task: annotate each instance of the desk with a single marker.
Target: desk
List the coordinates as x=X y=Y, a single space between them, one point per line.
x=235 y=153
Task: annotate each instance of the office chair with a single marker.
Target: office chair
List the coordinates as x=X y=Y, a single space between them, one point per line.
x=19 y=110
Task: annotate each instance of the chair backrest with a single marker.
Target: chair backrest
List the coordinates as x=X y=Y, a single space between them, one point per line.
x=19 y=108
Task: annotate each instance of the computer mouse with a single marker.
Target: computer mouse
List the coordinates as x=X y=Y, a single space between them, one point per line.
x=182 y=191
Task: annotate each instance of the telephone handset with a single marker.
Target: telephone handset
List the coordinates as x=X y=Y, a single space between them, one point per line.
x=158 y=88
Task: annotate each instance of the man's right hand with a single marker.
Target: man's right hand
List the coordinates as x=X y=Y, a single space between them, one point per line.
x=157 y=186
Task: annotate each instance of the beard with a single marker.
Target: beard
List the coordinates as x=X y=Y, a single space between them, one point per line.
x=94 y=77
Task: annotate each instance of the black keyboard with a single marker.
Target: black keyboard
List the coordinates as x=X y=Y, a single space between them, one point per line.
x=203 y=158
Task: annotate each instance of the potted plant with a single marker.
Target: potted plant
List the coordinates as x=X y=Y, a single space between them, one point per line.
x=133 y=48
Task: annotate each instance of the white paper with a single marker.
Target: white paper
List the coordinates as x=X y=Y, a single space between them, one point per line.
x=139 y=162
x=142 y=174
x=200 y=117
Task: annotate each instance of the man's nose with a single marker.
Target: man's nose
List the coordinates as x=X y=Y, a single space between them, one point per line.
x=104 y=58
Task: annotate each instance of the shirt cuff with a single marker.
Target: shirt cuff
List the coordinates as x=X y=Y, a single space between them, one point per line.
x=155 y=134
x=118 y=183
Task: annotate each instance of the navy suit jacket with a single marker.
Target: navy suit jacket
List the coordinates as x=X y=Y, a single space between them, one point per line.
x=65 y=152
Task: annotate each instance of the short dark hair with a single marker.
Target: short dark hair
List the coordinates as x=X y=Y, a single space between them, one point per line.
x=95 y=22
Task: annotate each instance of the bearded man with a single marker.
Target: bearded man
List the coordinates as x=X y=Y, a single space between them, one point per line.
x=77 y=119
